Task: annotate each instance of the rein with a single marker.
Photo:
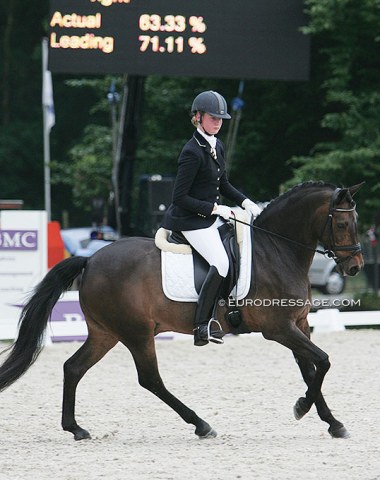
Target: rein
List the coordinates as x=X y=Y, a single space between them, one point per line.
x=274 y=234
x=331 y=247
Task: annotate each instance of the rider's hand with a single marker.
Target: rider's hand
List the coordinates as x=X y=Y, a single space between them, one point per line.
x=222 y=211
x=251 y=207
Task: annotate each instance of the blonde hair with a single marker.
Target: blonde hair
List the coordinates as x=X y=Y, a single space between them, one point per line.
x=194 y=121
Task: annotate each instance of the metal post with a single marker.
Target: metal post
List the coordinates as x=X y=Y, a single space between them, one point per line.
x=237 y=105
x=375 y=270
x=113 y=100
x=48 y=122
x=47 y=189
x=128 y=148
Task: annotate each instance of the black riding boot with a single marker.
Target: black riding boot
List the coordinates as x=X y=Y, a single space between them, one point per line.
x=206 y=330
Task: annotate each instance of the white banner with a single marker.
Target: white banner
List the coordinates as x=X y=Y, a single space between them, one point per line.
x=23 y=262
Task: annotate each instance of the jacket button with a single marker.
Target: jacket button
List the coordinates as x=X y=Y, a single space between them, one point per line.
x=217 y=188
x=217 y=197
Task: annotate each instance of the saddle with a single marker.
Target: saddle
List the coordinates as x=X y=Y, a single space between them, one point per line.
x=184 y=270
x=201 y=267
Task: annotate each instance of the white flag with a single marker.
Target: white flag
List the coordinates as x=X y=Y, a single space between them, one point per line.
x=47 y=90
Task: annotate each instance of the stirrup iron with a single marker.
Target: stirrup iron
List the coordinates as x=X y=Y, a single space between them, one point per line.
x=219 y=333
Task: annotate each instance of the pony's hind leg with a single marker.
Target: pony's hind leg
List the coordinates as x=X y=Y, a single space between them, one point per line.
x=336 y=429
x=95 y=347
x=149 y=377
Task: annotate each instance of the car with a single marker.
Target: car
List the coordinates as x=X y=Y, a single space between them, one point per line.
x=324 y=276
x=85 y=241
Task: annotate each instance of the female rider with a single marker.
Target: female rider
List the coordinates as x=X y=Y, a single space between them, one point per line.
x=200 y=182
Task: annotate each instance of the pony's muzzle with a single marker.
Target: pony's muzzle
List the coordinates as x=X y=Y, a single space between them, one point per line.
x=353 y=266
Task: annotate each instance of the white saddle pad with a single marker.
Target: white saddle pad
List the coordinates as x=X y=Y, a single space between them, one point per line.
x=178 y=269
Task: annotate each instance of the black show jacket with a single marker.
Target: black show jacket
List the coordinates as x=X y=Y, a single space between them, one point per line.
x=200 y=182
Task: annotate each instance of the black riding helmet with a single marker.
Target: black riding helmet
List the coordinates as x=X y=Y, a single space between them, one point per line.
x=212 y=103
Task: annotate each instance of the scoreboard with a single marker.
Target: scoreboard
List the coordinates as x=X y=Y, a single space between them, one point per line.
x=215 y=38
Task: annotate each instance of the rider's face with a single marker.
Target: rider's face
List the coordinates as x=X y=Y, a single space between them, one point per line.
x=211 y=124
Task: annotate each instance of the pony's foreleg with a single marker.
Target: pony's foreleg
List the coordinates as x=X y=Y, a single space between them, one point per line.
x=93 y=350
x=149 y=378
x=303 y=347
x=336 y=429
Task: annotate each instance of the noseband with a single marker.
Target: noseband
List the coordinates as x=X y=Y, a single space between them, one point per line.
x=330 y=247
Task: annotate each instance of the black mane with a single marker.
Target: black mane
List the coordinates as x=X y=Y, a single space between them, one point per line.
x=293 y=191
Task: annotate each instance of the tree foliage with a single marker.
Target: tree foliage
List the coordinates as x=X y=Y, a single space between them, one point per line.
x=323 y=129
x=348 y=149
x=20 y=113
x=88 y=172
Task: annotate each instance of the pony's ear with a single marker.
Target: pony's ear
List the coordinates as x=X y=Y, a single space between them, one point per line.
x=347 y=192
x=355 y=188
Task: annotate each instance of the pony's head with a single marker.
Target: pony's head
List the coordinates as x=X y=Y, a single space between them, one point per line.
x=339 y=234
x=333 y=220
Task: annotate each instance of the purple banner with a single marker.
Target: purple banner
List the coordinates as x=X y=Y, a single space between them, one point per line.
x=67 y=311
x=68 y=314
x=25 y=240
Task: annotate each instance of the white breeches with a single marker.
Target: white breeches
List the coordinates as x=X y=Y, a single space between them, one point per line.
x=208 y=243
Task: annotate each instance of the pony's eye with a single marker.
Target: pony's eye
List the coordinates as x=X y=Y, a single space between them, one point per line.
x=341 y=225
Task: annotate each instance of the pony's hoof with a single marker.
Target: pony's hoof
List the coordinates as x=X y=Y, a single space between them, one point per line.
x=205 y=431
x=339 y=431
x=210 y=434
x=300 y=408
x=81 y=434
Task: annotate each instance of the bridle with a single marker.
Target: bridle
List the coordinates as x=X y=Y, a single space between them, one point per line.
x=331 y=247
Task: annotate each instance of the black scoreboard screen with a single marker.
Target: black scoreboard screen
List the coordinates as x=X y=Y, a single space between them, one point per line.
x=214 y=38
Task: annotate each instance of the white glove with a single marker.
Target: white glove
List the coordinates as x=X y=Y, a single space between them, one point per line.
x=251 y=207
x=222 y=210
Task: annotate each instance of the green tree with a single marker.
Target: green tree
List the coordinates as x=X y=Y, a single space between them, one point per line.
x=21 y=160
x=88 y=172
x=326 y=128
x=348 y=150
x=85 y=169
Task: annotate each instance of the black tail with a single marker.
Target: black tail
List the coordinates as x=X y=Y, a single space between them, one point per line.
x=34 y=319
